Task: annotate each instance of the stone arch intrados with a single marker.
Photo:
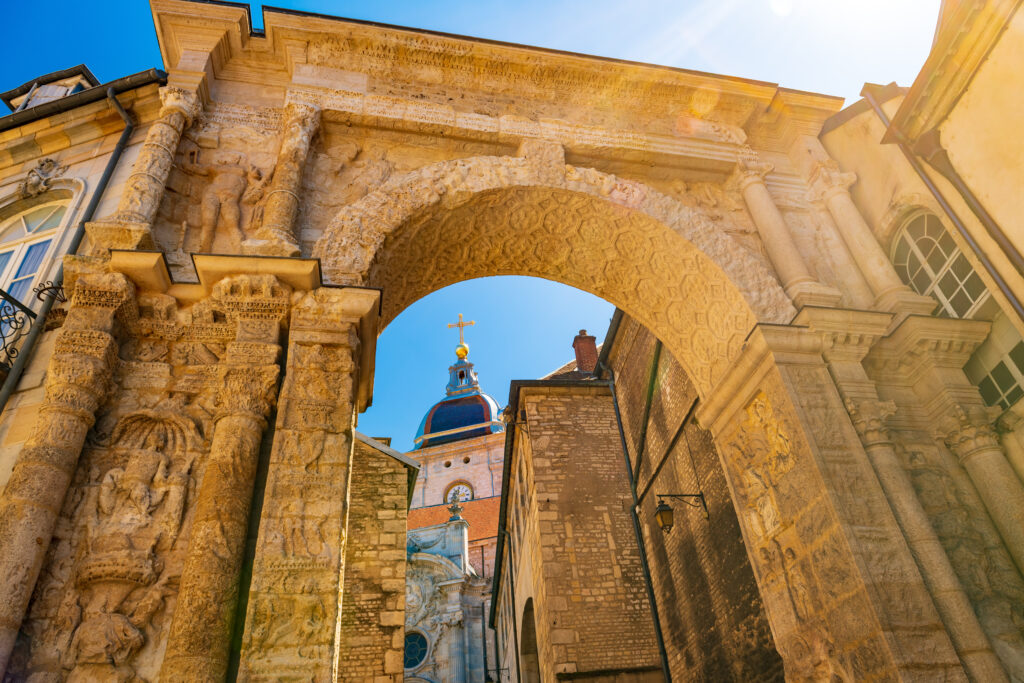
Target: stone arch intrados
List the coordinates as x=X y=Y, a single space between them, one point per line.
x=663 y=263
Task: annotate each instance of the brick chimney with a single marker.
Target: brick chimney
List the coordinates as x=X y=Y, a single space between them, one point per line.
x=585 y=347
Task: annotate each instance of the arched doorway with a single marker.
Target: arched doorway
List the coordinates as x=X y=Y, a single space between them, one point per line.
x=800 y=479
x=529 y=658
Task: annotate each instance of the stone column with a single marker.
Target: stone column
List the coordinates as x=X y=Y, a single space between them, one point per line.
x=796 y=279
x=970 y=436
x=77 y=380
x=841 y=589
x=131 y=226
x=276 y=236
x=1007 y=427
x=848 y=336
x=831 y=187
x=200 y=635
x=291 y=625
x=928 y=355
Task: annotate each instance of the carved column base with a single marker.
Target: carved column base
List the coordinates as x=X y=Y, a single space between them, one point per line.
x=113 y=234
x=810 y=293
x=269 y=247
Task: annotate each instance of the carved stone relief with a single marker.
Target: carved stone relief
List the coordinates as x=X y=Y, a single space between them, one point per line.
x=40 y=177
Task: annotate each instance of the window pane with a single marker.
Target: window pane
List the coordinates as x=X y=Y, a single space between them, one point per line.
x=946 y=242
x=4 y=258
x=902 y=249
x=1014 y=395
x=32 y=259
x=974 y=286
x=949 y=284
x=962 y=267
x=20 y=290
x=961 y=303
x=1001 y=375
x=52 y=221
x=1017 y=354
x=988 y=390
x=936 y=260
x=921 y=281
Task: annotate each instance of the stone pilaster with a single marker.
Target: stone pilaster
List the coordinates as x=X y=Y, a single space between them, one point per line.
x=291 y=629
x=796 y=278
x=841 y=589
x=276 y=236
x=77 y=380
x=830 y=186
x=131 y=226
x=847 y=338
x=200 y=635
x=927 y=355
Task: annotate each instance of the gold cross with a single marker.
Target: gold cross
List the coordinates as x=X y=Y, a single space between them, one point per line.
x=461 y=325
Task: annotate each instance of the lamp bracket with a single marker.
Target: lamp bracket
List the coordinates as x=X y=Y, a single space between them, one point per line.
x=694 y=500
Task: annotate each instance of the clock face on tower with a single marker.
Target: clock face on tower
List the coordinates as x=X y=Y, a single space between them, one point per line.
x=458 y=493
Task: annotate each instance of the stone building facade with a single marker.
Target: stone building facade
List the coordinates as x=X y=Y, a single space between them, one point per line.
x=177 y=442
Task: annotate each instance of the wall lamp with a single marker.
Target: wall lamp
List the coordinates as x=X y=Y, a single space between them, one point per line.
x=664 y=513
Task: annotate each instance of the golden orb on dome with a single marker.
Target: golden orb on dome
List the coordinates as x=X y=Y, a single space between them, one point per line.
x=462 y=350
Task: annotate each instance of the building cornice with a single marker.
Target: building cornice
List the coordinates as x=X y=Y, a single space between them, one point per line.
x=967 y=32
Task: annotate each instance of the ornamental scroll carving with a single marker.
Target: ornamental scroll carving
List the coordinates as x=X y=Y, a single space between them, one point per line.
x=39 y=179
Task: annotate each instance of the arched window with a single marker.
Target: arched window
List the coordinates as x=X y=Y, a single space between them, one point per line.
x=928 y=260
x=26 y=242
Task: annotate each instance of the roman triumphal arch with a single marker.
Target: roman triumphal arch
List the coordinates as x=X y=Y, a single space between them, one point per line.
x=180 y=509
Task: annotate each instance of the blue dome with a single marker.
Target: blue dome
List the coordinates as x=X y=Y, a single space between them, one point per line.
x=465 y=413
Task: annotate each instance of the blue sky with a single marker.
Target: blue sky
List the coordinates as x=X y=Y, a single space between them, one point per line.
x=524 y=326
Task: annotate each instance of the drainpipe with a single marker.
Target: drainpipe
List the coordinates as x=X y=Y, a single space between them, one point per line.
x=929 y=148
x=634 y=509
x=25 y=352
x=483 y=635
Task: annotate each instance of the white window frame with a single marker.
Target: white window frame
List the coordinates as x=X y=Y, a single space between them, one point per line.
x=19 y=247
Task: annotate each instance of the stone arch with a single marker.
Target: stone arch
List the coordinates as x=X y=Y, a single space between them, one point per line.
x=663 y=262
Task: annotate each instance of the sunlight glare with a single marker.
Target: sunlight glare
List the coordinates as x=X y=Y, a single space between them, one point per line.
x=782 y=8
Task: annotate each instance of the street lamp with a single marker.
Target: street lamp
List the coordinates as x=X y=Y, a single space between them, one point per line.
x=665 y=515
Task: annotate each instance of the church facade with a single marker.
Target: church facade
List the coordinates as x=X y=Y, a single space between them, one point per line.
x=823 y=307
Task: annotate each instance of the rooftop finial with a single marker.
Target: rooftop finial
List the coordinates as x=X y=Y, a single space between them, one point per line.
x=462 y=350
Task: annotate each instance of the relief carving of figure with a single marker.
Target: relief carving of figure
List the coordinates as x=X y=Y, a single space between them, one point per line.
x=220 y=203
x=131 y=516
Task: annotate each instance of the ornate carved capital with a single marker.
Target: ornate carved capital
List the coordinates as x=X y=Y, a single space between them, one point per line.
x=870 y=418
x=185 y=102
x=302 y=114
x=968 y=432
x=247 y=390
x=827 y=180
x=750 y=169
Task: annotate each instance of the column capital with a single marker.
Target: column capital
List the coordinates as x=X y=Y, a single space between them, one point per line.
x=870 y=418
x=246 y=391
x=175 y=99
x=969 y=431
x=827 y=180
x=750 y=170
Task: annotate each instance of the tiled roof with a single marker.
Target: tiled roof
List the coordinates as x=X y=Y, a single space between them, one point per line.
x=482 y=515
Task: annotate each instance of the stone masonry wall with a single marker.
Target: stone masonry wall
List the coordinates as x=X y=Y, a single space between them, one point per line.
x=373 y=602
x=596 y=608
x=711 y=612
